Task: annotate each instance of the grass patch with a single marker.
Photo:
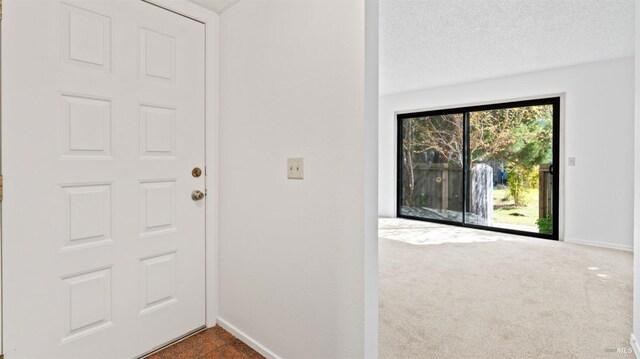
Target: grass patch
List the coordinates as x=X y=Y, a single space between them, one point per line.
x=504 y=208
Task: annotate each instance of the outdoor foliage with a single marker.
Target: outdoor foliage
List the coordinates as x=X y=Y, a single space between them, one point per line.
x=436 y=139
x=521 y=179
x=528 y=143
x=545 y=225
x=517 y=138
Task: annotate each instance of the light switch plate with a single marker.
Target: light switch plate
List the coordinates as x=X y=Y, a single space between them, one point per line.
x=295 y=168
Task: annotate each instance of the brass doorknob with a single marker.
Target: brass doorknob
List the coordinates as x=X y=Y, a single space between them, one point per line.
x=197 y=195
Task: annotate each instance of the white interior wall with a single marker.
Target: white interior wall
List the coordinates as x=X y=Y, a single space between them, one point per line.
x=636 y=198
x=292 y=252
x=371 y=104
x=598 y=132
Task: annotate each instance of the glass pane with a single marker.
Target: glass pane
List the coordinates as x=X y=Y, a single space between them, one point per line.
x=432 y=177
x=509 y=181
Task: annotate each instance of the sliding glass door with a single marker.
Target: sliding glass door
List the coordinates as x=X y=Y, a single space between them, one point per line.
x=489 y=167
x=432 y=171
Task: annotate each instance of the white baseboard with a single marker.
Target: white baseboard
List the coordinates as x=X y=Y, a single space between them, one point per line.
x=599 y=244
x=634 y=345
x=247 y=340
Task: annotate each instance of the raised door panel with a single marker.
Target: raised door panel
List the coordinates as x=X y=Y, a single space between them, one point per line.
x=87 y=304
x=85 y=127
x=85 y=37
x=157 y=282
x=157 y=208
x=87 y=210
x=157 y=131
x=157 y=55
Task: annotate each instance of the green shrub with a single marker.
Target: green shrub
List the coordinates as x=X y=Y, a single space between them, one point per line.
x=521 y=179
x=545 y=225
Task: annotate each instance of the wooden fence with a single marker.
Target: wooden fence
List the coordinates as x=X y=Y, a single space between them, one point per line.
x=439 y=187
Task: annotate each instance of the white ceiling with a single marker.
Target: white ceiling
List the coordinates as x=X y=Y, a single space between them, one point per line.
x=432 y=43
x=215 y=5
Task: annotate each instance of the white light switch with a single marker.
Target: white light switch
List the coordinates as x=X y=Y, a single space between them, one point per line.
x=572 y=161
x=295 y=168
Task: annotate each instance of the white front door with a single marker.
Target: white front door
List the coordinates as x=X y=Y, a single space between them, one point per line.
x=102 y=124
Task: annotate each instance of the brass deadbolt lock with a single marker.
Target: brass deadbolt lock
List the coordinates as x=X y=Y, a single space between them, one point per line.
x=196 y=172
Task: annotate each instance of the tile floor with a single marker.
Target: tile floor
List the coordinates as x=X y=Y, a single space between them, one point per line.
x=212 y=343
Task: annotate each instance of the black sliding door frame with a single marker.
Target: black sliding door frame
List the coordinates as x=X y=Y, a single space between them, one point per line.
x=465 y=111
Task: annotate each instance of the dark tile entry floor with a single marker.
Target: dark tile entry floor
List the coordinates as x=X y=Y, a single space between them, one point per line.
x=212 y=343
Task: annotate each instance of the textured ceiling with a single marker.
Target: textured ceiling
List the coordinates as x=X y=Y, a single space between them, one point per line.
x=215 y=5
x=432 y=43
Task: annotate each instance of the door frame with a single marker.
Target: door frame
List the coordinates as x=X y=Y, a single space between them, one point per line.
x=558 y=156
x=211 y=23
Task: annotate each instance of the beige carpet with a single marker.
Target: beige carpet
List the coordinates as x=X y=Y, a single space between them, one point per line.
x=450 y=292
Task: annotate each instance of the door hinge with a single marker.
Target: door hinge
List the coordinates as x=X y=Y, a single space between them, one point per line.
x=1 y=198
x=0 y=19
